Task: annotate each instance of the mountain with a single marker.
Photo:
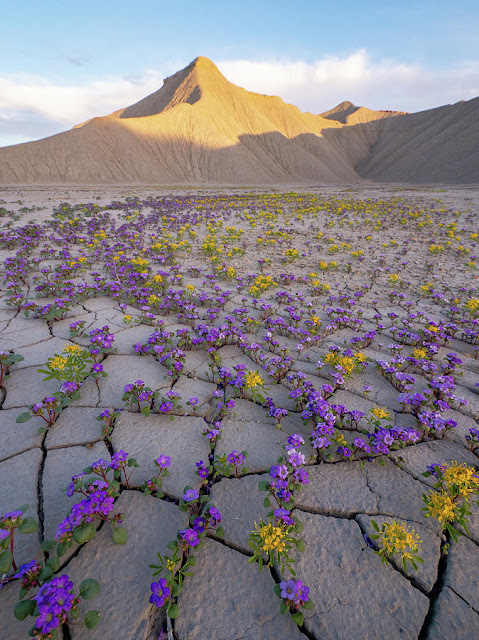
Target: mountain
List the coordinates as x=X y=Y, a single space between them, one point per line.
x=349 y=113
x=199 y=128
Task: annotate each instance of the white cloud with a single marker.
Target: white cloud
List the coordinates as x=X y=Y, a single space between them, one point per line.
x=35 y=106
x=322 y=84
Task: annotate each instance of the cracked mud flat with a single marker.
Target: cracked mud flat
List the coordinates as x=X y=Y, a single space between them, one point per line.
x=355 y=595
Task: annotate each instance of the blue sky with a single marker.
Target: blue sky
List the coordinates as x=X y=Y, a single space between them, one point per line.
x=66 y=62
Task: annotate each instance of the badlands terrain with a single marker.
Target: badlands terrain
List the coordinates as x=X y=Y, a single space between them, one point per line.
x=208 y=333
x=199 y=128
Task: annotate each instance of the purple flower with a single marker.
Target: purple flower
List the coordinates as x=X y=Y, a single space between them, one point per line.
x=163 y=461
x=295 y=440
x=117 y=459
x=236 y=458
x=160 y=592
x=202 y=471
x=190 y=495
x=188 y=538
x=199 y=524
x=283 y=515
x=214 y=516
x=97 y=368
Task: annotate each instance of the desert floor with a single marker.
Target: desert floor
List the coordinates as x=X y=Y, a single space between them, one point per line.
x=249 y=275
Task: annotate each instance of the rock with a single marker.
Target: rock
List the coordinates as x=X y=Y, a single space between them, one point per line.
x=240 y=503
x=123 y=370
x=263 y=442
x=355 y=595
x=430 y=549
x=146 y=438
x=60 y=466
x=37 y=355
x=214 y=604
x=18 y=480
x=123 y=570
x=337 y=490
x=188 y=388
x=26 y=386
x=415 y=459
x=75 y=426
x=453 y=618
x=15 y=437
x=461 y=571
x=399 y=494
x=22 y=332
x=126 y=338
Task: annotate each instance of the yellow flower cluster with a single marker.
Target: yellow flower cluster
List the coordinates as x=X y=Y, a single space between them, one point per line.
x=397 y=538
x=380 y=413
x=272 y=537
x=442 y=507
x=253 y=380
x=460 y=479
x=57 y=363
x=472 y=306
x=261 y=283
x=349 y=364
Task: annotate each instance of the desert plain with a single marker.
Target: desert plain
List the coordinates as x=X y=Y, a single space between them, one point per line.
x=327 y=293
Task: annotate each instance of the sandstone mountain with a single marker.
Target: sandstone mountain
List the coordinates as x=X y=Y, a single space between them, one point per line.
x=199 y=128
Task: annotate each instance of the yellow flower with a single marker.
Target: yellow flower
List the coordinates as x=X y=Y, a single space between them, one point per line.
x=419 y=353
x=273 y=537
x=73 y=348
x=442 y=507
x=397 y=538
x=57 y=362
x=380 y=413
x=461 y=479
x=253 y=380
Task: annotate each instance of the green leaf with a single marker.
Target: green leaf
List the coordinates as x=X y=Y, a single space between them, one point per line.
x=23 y=417
x=91 y=619
x=220 y=532
x=173 y=611
x=300 y=545
x=263 y=485
x=375 y=525
x=89 y=589
x=84 y=532
x=277 y=590
x=61 y=548
x=28 y=525
x=191 y=562
x=298 y=618
x=299 y=528
x=308 y=605
x=173 y=545
x=46 y=573
x=53 y=563
x=284 y=607
x=120 y=535
x=5 y=561
x=23 y=609
x=266 y=502
x=47 y=545
x=176 y=590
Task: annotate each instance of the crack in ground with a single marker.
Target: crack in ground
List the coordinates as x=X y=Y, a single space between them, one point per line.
x=414 y=583
x=435 y=591
x=463 y=599
x=40 y=501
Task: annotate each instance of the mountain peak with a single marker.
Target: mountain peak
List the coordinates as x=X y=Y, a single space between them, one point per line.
x=184 y=86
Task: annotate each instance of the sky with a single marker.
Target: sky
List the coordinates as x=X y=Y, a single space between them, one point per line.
x=62 y=63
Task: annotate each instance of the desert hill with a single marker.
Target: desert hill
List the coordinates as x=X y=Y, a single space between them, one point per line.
x=348 y=113
x=200 y=128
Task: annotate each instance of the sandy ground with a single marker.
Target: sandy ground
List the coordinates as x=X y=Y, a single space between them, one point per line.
x=355 y=595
